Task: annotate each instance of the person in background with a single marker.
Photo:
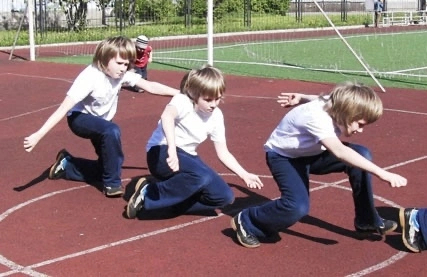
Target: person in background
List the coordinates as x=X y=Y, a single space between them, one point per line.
x=90 y=105
x=378 y=9
x=144 y=56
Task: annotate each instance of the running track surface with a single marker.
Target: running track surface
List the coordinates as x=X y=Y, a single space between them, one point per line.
x=64 y=228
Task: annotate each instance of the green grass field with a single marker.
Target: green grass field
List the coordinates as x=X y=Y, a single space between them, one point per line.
x=395 y=59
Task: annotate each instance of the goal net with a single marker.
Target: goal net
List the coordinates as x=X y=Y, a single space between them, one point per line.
x=327 y=41
x=324 y=50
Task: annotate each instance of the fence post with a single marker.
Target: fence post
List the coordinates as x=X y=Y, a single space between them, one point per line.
x=344 y=10
x=298 y=11
x=187 y=13
x=247 y=13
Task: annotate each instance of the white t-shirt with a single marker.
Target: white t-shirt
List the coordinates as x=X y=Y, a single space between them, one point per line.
x=191 y=127
x=96 y=93
x=300 y=131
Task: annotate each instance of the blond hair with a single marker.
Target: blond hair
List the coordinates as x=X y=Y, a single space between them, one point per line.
x=352 y=102
x=206 y=81
x=110 y=47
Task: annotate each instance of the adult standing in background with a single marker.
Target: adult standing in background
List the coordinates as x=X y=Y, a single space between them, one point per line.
x=378 y=9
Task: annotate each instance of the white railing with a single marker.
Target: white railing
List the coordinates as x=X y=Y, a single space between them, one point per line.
x=403 y=17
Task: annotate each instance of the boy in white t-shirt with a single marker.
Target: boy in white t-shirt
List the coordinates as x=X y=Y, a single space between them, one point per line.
x=186 y=183
x=90 y=105
x=306 y=142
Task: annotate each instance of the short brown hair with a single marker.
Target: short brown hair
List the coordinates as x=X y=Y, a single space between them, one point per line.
x=352 y=102
x=110 y=47
x=206 y=81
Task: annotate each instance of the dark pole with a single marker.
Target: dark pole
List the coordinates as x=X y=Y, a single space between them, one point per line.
x=37 y=23
x=121 y=16
x=247 y=13
x=298 y=11
x=187 y=13
x=41 y=17
x=344 y=10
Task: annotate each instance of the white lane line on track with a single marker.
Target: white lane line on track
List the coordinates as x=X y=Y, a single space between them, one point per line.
x=27 y=113
x=16 y=268
x=28 y=269
x=19 y=269
x=379 y=266
x=40 y=77
x=41 y=109
x=120 y=242
x=257 y=97
x=26 y=203
x=71 y=81
x=403 y=111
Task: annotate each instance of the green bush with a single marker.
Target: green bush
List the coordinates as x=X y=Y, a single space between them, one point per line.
x=155 y=10
x=270 y=6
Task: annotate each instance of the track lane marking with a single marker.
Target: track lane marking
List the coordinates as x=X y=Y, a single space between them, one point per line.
x=28 y=269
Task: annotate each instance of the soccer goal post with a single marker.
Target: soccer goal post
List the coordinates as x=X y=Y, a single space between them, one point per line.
x=28 y=13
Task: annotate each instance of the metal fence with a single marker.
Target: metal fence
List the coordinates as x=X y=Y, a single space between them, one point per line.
x=49 y=17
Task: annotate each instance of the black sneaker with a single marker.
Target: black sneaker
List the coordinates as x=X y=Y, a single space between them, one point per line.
x=57 y=170
x=410 y=236
x=113 y=191
x=385 y=228
x=136 y=202
x=245 y=239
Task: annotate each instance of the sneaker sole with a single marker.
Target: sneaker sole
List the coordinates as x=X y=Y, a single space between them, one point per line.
x=113 y=194
x=234 y=227
x=134 y=195
x=62 y=152
x=402 y=223
x=390 y=230
x=367 y=232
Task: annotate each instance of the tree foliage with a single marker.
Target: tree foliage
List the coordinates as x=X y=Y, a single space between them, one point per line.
x=75 y=12
x=155 y=10
x=164 y=10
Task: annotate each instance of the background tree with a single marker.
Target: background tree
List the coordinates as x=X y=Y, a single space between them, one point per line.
x=102 y=5
x=131 y=12
x=75 y=12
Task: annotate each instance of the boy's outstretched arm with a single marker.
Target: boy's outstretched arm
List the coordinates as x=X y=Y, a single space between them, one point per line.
x=288 y=99
x=251 y=180
x=156 y=88
x=31 y=141
x=349 y=156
